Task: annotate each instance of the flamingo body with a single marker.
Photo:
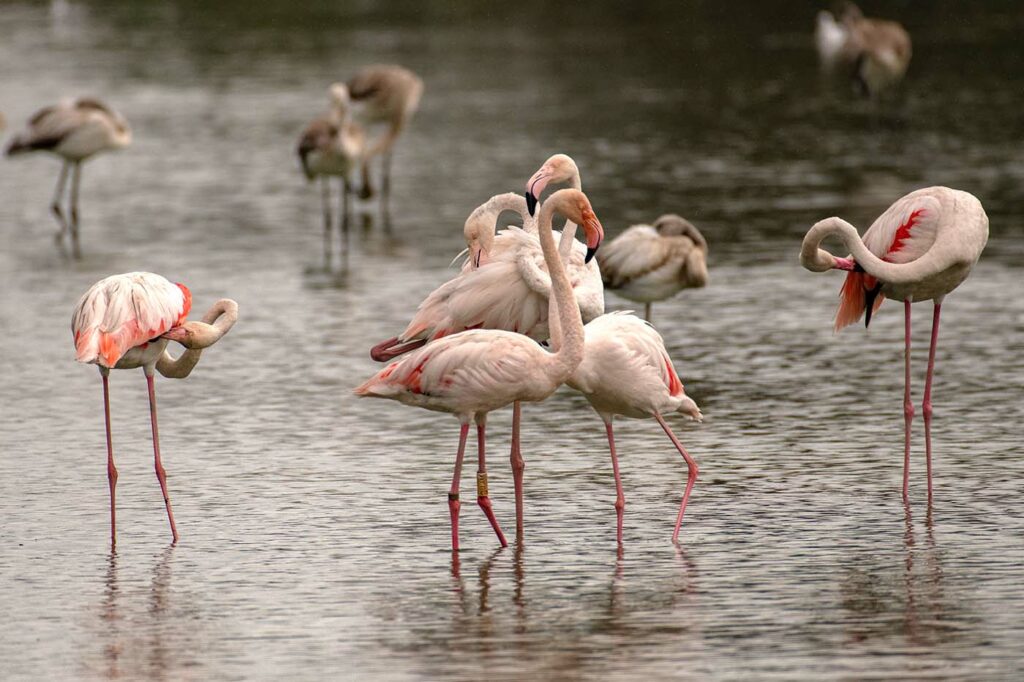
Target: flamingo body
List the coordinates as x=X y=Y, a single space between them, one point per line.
x=74 y=129
x=874 y=52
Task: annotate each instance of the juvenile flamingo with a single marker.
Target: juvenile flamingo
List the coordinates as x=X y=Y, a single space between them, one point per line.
x=125 y=321
x=474 y=372
x=626 y=371
x=874 y=52
x=332 y=145
x=652 y=263
x=390 y=95
x=920 y=249
x=74 y=129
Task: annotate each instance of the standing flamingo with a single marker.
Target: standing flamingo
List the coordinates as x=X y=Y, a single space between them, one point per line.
x=627 y=371
x=74 y=130
x=875 y=52
x=474 y=372
x=920 y=249
x=332 y=145
x=391 y=94
x=652 y=263
x=125 y=321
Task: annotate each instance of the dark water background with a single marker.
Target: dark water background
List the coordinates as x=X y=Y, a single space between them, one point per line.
x=314 y=526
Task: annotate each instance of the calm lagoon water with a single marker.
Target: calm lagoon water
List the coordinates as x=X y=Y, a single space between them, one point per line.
x=314 y=526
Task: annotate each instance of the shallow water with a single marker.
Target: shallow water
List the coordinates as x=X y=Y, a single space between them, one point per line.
x=314 y=526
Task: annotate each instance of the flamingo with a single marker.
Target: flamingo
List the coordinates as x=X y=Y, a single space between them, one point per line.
x=627 y=371
x=74 y=129
x=332 y=145
x=474 y=372
x=391 y=94
x=920 y=249
x=875 y=52
x=652 y=263
x=125 y=321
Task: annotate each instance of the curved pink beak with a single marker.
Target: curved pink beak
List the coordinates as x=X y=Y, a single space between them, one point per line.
x=594 y=232
x=535 y=187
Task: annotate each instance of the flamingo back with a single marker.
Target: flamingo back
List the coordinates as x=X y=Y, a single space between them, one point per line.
x=124 y=311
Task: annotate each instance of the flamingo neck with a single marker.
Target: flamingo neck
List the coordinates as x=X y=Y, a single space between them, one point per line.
x=816 y=259
x=566 y=324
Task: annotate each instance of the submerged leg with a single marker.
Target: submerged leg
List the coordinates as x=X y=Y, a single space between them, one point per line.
x=325 y=200
x=482 y=497
x=691 y=473
x=620 y=497
x=453 y=492
x=157 y=464
x=111 y=469
x=518 y=466
x=76 y=176
x=908 y=407
x=926 y=408
x=55 y=208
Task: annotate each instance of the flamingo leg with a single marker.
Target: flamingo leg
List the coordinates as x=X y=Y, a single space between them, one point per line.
x=55 y=208
x=908 y=407
x=691 y=473
x=518 y=466
x=926 y=408
x=647 y=312
x=385 y=180
x=76 y=176
x=620 y=497
x=325 y=200
x=366 y=188
x=453 y=492
x=161 y=475
x=482 y=497
x=111 y=469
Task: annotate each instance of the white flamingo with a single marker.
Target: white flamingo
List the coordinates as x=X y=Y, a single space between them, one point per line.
x=388 y=94
x=474 y=372
x=74 y=129
x=874 y=52
x=124 y=322
x=920 y=249
x=626 y=371
x=332 y=145
x=648 y=263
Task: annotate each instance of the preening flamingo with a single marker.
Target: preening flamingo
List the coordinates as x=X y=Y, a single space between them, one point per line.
x=333 y=145
x=390 y=94
x=652 y=263
x=627 y=371
x=920 y=249
x=74 y=129
x=875 y=53
x=125 y=321
x=474 y=372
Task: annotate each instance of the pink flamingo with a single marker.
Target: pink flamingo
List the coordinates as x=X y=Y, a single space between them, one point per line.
x=125 y=321
x=74 y=129
x=920 y=249
x=626 y=371
x=474 y=372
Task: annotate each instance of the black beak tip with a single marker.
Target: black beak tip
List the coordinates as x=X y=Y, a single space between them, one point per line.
x=531 y=202
x=591 y=250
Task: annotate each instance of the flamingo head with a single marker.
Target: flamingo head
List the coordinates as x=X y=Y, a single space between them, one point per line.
x=340 y=99
x=558 y=168
x=479 y=234
x=575 y=206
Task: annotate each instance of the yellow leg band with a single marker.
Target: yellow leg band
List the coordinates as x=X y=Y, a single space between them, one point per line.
x=481 y=484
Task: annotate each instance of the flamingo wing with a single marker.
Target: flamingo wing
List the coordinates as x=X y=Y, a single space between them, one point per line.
x=124 y=311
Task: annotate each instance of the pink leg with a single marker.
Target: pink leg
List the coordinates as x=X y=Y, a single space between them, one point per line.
x=927 y=407
x=158 y=465
x=908 y=407
x=482 y=497
x=620 y=497
x=691 y=473
x=518 y=466
x=453 y=492
x=111 y=469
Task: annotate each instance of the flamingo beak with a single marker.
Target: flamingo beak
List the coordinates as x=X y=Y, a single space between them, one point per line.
x=594 y=233
x=179 y=334
x=535 y=187
x=475 y=255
